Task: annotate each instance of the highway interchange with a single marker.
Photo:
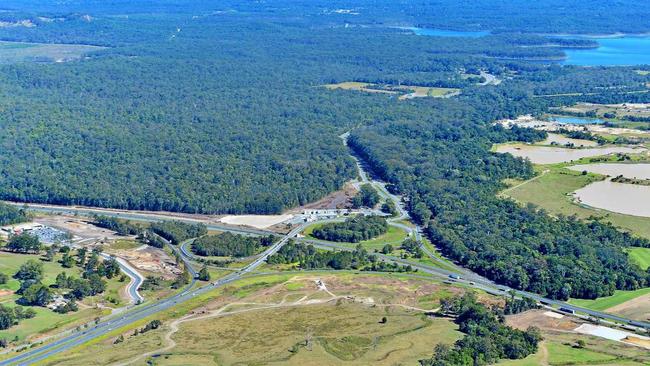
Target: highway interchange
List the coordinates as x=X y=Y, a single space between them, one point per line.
x=458 y=275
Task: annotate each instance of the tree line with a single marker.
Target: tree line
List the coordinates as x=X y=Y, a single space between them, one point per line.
x=487 y=339
x=230 y=245
x=353 y=229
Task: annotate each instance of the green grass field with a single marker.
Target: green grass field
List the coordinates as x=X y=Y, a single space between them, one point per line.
x=640 y=256
x=604 y=303
x=551 y=191
x=46 y=320
x=558 y=349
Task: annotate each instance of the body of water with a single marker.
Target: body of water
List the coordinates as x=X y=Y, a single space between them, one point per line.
x=554 y=155
x=445 y=33
x=638 y=171
x=577 y=120
x=629 y=199
x=615 y=51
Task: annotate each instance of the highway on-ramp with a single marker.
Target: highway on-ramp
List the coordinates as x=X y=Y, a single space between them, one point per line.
x=66 y=343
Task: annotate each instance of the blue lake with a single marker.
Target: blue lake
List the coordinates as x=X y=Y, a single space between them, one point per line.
x=445 y=33
x=577 y=120
x=622 y=51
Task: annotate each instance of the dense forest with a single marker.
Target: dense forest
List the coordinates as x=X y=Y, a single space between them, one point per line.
x=178 y=231
x=214 y=108
x=220 y=109
x=11 y=215
x=353 y=229
x=230 y=245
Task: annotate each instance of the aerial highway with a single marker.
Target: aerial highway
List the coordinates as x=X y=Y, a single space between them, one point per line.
x=456 y=274
x=481 y=283
x=66 y=343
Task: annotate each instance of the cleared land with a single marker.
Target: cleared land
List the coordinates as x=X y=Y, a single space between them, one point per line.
x=560 y=345
x=290 y=319
x=619 y=110
x=12 y=52
x=604 y=303
x=554 y=155
x=405 y=91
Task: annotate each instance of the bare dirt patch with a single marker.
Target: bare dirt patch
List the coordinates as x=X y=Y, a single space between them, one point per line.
x=637 y=308
x=335 y=200
x=150 y=261
x=256 y=221
x=538 y=319
x=4 y=293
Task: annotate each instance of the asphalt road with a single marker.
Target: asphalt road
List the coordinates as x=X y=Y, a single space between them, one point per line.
x=136 y=279
x=66 y=343
x=478 y=282
x=461 y=276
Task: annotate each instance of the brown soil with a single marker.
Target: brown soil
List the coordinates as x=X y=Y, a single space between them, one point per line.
x=151 y=261
x=637 y=308
x=537 y=319
x=638 y=341
x=4 y=293
x=338 y=199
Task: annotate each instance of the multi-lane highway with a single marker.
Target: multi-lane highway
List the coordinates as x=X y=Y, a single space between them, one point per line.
x=457 y=274
x=68 y=342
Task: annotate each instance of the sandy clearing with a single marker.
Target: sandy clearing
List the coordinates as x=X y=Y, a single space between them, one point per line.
x=614 y=335
x=553 y=155
x=5 y=293
x=256 y=221
x=540 y=319
x=553 y=315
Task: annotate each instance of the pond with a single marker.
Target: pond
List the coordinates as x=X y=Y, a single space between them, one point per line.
x=632 y=171
x=553 y=155
x=577 y=120
x=629 y=199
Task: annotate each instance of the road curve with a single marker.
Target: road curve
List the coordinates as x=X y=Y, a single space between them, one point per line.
x=136 y=278
x=66 y=343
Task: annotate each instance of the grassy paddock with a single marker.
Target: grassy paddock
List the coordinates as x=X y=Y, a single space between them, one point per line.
x=551 y=191
x=46 y=320
x=604 y=303
x=640 y=256
x=341 y=330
